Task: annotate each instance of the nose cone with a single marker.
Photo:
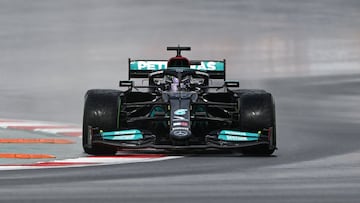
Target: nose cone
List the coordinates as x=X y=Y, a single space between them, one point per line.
x=180 y=134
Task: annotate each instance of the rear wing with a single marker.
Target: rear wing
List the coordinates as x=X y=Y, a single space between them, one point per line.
x=142 y=68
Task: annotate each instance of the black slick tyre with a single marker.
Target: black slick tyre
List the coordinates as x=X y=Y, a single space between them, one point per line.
x=257 y=112
x=100 y=110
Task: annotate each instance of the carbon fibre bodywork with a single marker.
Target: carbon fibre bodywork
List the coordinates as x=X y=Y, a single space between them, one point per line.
x=178 y=109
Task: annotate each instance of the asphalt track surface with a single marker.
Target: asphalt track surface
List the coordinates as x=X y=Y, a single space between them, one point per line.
x=306 y=53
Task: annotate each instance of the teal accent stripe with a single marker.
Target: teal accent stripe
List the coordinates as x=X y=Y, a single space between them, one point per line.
x=239 y=133
x=236 y=138
x=230 y=135
x=121 y=132
x=125 y=135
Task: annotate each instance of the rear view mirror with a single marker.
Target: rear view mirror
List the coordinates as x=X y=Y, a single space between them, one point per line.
x=193 y=62
x=126 y=83
x=232 y=84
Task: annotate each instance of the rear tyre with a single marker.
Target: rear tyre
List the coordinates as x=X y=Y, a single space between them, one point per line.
x=100 y=110
x=257 y=112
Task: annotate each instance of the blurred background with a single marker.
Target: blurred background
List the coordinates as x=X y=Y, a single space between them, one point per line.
x=52 y=51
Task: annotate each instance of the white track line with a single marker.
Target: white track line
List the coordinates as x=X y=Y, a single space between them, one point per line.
x=22 y=123
x=85 y=161
x=40 y=126
x=58 y=128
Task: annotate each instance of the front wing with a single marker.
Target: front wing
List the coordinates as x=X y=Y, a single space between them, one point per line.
x=137 y=139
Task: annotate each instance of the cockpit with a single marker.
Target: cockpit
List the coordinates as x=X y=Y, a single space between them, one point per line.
x=179 y=79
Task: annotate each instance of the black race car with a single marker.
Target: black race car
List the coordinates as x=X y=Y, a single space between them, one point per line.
x=182 y=106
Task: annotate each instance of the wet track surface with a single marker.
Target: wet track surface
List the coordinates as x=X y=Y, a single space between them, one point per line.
x=306 y=53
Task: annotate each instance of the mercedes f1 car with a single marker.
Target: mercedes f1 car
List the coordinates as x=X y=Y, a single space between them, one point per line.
x=183 y=105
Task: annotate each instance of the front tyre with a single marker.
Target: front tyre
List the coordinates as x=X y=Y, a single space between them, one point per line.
x=257 y=112
x=100 y=110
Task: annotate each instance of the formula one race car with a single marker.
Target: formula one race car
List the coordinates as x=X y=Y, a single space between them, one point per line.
x=179 y=108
